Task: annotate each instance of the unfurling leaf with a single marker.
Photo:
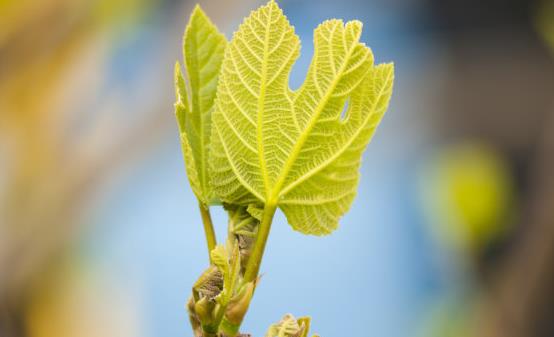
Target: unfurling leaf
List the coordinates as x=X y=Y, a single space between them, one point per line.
x=243 y=224
x=203 y=50
x=304 y=322
x=209 y=284
x=288 y=326
x=220 y=258
x=255 y=211
x=229 y=267
x=236 y=310
x=293 y=149
x=238 y=305
x=204 y=310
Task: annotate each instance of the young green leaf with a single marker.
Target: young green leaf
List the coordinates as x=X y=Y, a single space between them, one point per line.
x=293 y=149
x=288 y=326
x=304 y=323
x=220 y=258
x=203 y=49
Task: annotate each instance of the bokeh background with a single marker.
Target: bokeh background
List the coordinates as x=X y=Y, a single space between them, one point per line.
x=452 y=232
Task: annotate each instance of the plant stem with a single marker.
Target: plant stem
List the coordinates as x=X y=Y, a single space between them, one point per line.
x=209 y=334
x=255 y=260
x=208 y=228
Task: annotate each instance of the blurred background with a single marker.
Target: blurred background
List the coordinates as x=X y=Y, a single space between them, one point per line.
x=452 y=232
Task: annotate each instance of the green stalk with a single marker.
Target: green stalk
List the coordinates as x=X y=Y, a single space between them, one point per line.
x=255 y=260
x=209 y=334
x=208 y=228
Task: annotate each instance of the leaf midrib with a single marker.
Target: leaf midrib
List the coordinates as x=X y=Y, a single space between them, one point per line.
x=196 y=104
x=337 y=154
x=276 y=193
x=261 y=103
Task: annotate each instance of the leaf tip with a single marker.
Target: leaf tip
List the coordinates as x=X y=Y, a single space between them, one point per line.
x=387 y=68
x=197 y=19
x=355 y=24
x=272 y=5
x=197 y=11
x=354 y=27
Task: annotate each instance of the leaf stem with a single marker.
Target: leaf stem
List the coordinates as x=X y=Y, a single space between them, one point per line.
x=255 y=260
x=208 y=228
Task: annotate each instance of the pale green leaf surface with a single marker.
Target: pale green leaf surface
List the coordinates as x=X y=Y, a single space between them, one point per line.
x=324 y=192
x=203 y=49
x=220 y=259
x=304 y=323
x=255 y=211
x=181 y=107
x=287 y=327
x=293 y=149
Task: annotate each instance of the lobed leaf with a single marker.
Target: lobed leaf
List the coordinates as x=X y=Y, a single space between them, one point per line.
x=271 y=145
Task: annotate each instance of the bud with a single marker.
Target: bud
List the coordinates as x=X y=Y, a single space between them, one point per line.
x=236 y=309
x=243 y=223
x=288 y=326
x=194 y=322
x=238 y=305
x=304 y=324
x=209 y=284
x=245 y=243
x=205 y=310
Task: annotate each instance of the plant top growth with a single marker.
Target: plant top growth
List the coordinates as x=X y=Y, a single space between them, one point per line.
x=253 y=145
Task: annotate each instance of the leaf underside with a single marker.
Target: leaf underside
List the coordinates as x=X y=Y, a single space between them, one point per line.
x=203 y=50
x=293 y=148
x=288 y=326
